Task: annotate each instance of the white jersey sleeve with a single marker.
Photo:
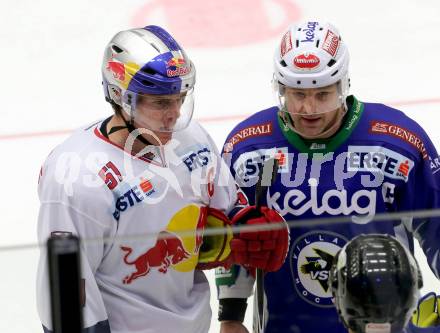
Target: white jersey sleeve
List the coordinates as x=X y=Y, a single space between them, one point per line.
x=67 y=207
x=56 y=217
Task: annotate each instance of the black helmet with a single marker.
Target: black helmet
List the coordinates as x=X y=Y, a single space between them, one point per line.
x=375 y=282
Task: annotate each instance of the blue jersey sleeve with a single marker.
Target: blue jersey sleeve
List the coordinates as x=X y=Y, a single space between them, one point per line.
x=425 y=195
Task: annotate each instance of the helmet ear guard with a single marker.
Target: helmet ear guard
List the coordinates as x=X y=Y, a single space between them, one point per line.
x=115 y=94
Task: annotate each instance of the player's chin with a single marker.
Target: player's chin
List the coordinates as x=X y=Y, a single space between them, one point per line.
x=164 y=137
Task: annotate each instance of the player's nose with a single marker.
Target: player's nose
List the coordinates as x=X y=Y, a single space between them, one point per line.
x=308 y=106
x=172 y=114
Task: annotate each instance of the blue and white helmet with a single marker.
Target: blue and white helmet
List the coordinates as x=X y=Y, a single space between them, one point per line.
x=311 y=55
x=147 y=61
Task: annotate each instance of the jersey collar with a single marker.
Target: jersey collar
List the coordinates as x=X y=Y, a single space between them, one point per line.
x=324 y=146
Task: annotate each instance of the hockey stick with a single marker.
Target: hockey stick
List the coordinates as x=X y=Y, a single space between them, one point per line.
x=261 y=188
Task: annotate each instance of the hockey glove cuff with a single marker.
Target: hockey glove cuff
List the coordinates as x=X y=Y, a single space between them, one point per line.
x=215 y=248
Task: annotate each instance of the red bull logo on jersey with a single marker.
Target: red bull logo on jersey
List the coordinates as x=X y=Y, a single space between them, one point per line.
x=177 y=247
x=177 y=67
x=306 y=61
x=168 y=250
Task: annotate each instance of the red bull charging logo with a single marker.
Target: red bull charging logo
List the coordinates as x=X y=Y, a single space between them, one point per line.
x=168 y=251
x=117 y=69
x=180 y=253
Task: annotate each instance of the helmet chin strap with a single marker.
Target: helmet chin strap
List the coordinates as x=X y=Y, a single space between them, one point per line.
x=131 y=130
x=135 y=133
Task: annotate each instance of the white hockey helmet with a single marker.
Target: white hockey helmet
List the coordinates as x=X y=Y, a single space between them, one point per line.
x=311 y=55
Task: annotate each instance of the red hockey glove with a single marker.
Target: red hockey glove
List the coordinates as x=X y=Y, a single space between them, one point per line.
x=264 y=249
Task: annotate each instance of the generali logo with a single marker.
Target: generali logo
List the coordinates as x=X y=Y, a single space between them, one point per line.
x=404 y=134
x=248 y=132
x=306 y=61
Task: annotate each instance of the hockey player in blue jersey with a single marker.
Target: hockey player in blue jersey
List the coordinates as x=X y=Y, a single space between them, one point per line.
x=338 y=156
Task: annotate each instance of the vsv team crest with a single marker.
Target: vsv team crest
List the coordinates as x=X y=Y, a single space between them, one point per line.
x=311 y=258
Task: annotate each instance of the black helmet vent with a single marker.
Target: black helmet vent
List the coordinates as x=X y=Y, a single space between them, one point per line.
x=331 y=62
x=147 y=83
x=117 y=49
x=149 y=71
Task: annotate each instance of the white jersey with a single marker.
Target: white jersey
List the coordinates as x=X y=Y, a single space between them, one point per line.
x=139 y=270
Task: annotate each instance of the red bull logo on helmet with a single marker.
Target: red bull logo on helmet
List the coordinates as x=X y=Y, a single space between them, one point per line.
x=177 y=67
x=117 y=69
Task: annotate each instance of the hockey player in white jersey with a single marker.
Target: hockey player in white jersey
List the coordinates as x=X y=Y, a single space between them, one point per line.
x=139 y=188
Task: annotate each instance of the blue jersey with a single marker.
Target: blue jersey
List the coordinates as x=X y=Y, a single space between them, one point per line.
x=380 y=161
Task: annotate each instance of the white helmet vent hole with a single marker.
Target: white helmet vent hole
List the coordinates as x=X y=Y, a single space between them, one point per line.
x=334 y=73
x=283 y=63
